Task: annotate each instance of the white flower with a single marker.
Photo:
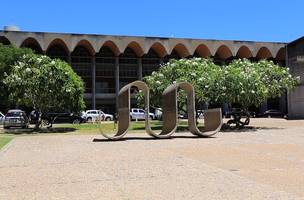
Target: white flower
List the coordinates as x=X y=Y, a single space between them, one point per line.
x=252 y=91
x=242 y=92
x=39 y=60
x=289 y=76
x=287 y=68
x=206 y=86
x=28 y=69
x=158 y=82
x=53 y=62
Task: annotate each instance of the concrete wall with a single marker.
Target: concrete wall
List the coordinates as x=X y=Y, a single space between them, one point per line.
x=164 y=46
x=295 y=62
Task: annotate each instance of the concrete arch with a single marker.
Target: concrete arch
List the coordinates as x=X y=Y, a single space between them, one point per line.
x=159 y=49
x=263 y=53
x=244 y=52
x=4 y=40
x=281 y=54
x=60 y=42
x=32 y=43
x=181 y=49
x=223 y=52
x=112 y=46
x=87 y=45
x=203 y=51
x=136 y=48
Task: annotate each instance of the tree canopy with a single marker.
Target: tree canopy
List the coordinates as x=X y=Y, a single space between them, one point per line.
x=8 y=56
x=45 y=84
x=241 y=82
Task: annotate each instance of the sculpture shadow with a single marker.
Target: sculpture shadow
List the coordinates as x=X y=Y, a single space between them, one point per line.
x=226 y=128
x=152 y=138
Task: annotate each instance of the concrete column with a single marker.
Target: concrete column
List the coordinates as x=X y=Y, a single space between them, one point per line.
x=283 y=103
x=116 y=81
x=93 y=82
x=263 y=107
x=69 y=59
x=140 y=72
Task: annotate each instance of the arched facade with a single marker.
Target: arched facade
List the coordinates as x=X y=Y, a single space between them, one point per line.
x=263 y=53
x=105 y=70
x=128 y=67
x=4 y=40
x=202 y=51
x=58 y=49
x=33 y=44
x=223 y=55
x=81 y=61
x=106 y=63
x=244 y=52
x=150 y=62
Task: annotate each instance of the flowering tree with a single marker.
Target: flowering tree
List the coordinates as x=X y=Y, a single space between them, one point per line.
x=242 y=82
x=201 y=73
x=252 y=83
x=8 y=56
x=45 y=84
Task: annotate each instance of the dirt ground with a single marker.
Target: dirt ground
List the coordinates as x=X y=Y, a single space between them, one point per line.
x=265 y=161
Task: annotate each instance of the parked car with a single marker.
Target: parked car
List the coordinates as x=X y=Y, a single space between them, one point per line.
x=137 y=114
x=1 y=118
x=96 y=115
x=15 y=118
x=64 y=117
x=273 y=113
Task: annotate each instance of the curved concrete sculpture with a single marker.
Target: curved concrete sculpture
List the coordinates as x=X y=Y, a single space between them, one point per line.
x=213 y=117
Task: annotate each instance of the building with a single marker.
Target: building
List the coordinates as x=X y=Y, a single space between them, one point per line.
x=295 y=61
x=106 y=62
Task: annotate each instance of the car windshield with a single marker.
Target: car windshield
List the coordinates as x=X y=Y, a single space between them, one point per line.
x=13 y=114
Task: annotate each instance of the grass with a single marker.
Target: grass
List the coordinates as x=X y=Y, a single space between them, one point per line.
x=106 y=127
x=4 y=140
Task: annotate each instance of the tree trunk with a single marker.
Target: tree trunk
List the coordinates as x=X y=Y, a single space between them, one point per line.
x=38 y=121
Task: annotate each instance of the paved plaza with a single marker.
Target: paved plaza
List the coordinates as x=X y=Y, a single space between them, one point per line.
x=258 y=163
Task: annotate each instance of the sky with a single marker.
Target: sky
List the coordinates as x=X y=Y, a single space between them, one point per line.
x=259 y=20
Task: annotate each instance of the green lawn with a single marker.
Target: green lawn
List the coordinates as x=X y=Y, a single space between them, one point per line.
x=86 y=128
x=4 y=140
x=111 y=128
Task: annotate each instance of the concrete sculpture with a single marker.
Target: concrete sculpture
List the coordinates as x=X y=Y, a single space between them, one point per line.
x=212 y=117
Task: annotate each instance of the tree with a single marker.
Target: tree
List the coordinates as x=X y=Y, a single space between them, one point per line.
x=45 y=84
x=252 y=83
x=242 y=82
x=8 y=56
x=201 y=73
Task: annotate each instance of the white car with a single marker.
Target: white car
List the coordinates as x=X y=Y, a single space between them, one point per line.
x=1 y=118
x=97 y=115
x=137 y=113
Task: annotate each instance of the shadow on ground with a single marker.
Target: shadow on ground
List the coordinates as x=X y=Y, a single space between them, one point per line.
x=226 y=128
x=152 y=138
x=43 y=130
